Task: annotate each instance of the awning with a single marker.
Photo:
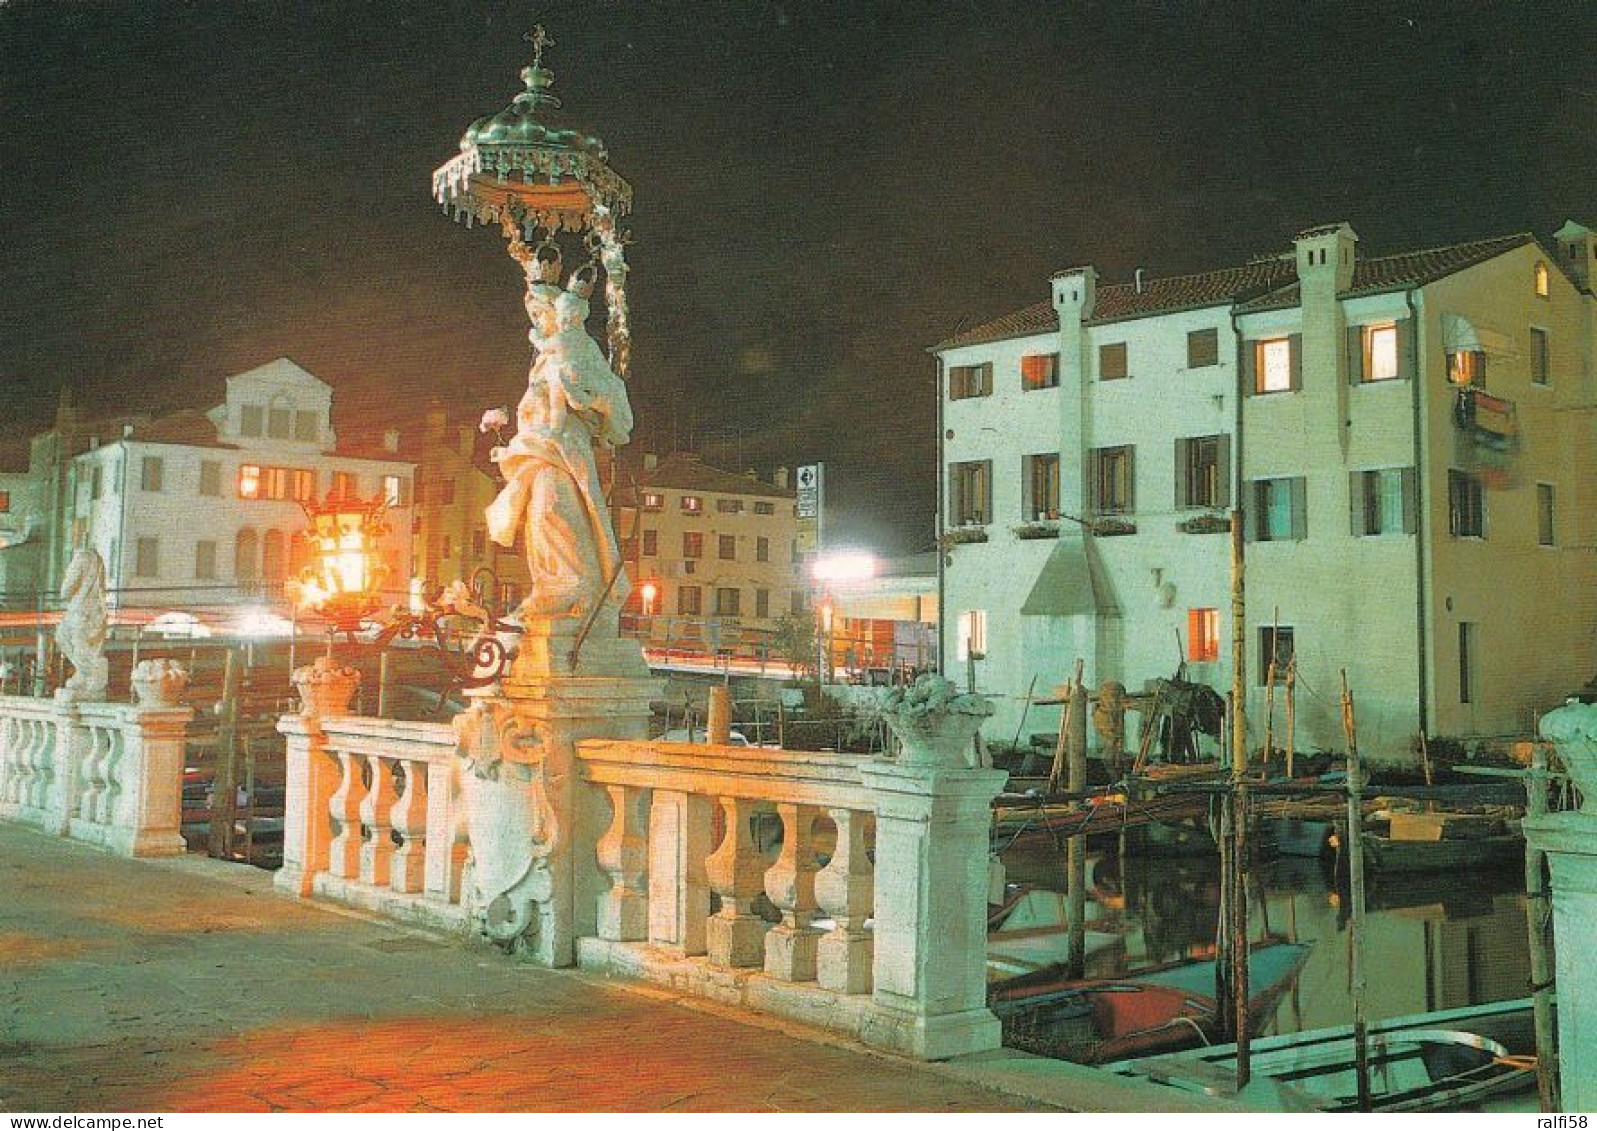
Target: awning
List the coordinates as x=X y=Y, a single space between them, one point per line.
x=1070 y=584
x=1462 y=335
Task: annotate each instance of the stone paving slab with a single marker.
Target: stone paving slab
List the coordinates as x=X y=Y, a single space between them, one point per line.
x=191 y=985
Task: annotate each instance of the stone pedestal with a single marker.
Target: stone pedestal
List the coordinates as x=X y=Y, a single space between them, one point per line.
x=149 y=813
x=1570 y=842
x=311 y=778
x=929 y=997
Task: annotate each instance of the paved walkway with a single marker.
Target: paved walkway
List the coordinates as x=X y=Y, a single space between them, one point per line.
x=190 y=985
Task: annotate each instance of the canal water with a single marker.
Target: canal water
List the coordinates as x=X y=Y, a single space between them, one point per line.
x=1432 y=941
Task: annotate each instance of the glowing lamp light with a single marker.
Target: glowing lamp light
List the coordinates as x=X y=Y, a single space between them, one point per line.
x=844 y=567
x=342 y=584
x=649 y=593
x=826 y=615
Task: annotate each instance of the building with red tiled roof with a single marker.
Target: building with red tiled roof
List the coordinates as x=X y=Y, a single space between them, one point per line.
x=1402 y=438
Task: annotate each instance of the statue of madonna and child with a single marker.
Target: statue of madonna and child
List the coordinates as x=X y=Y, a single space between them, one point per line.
x=574 y=404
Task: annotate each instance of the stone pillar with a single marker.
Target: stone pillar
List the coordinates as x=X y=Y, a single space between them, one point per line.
x=929 y=996
x=58 y=796
x=311 y=779
x=149 y=813
x=679 y=891
x=623 y=853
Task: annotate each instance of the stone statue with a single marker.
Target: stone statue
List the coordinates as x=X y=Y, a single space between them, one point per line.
x=81 y=633
x=552 y=495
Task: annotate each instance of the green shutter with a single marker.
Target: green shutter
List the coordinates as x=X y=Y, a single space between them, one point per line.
x=1411 y=503
x=1222 y=459
x=1250 y=510
x=1181 y=474
x=1355 y=503
x=1131 y=479
x=1300 y=508
x=1250 y=365
x=1355 y=354
x=1407 y=362
x=1295 y=345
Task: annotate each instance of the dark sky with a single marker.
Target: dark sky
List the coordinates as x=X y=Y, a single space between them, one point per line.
x=822 y=189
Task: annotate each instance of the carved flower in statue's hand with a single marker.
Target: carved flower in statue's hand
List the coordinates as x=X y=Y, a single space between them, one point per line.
x=494 y=420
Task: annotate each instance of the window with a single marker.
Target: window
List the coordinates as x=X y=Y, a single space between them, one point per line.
x=692 y=504
x=251 y=420
x=965 y=381
x=1280 y=510
x=1382 y=502
x=150 y=473
x=1539 y=279
x=970 y=493
x=1466 y=506
x=1113 y=480
x=1203 y=348
x=274 y=482
x=762 y=549
x=1042 y=486
x=210 y=478
x=728 y=602
x=1277 y=645
x=652 y=501
x=147 y=558
x=693 y=544
x=1378 y=352
x=96 y=481
x=764 y=508
x=1277 y=364
x=972 y=643
x=690 y=600
x=1466 y=662
x=1546 y=524
x=1203 y=636
x=1466 y=367
x=446 y=547
x=651 y=543
x=1039 y=371
x=249 y=481
x=762 y=603
x=729 y=506
x=479 y=543
x=1539 y=368
x=246 y=564
x=302 y=485
x=795 y=604
x=1203 y=465
x=344 y=487
x=305 y=425
x=1112 y=362
x=279 y=423
x=205 y=560
x=727 y=547
x=394 y=490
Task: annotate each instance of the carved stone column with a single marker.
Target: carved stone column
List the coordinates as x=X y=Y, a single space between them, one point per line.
x=790 y=885
x=845 y=889
x=312 y=776
x=679 y=888
x=737 y=873
x=407 y=868
x=149 y=811
x=623 y=853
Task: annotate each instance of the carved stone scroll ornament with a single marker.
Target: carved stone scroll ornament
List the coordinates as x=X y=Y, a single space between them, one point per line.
x=511 y=824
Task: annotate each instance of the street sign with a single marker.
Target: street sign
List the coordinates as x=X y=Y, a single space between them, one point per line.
x=810 y=479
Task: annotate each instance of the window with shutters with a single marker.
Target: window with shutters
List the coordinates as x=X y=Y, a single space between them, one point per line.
x=727 y=547
x=1203 y=636
x=1203 y=348
x=651 y=543
x=693 y=544
x=1277 y=648
x=1042 y=486
x=1466 y=662
x=210 y=478
x=972 y=639
x=205 y=560
x=1466 y=505
x=1203 y=465
x=966 y=381
x=1546 y=517
x=762 y=603
x=1539 y=357
x=1039 y=371
x=970 y=493
x=690 y=600
x=1279 y=510
x=1275 y=365
x=1379 y=352
x=1382 y=501
x=728 y=602
x=1113 y=480
x=1466 y=367
x=1112 y=363
x=150 y=473
x=762 y=549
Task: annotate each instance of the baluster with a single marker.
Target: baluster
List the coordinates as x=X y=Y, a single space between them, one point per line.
x=736 y=870
x=408 y=867
x=34 y=750
x=846 y=890
x=376 y=816
x=111 y=771
x=343 y=855
x=10 y=770
x=93 y=778
x=790 y=885
x=43 y=776
x=623 y=853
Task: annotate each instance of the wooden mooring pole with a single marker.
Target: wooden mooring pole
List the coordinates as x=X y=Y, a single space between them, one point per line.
x=1538 y=918
x=224 y=775
x=1237 y=904
x=1355 y=873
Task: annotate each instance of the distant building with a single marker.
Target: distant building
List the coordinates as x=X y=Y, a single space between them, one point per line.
x=711 y=555
x=204 y=508
x=887 y=622
x=1407 y=438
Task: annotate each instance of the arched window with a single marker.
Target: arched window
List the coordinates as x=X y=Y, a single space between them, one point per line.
x=274 y=558
x=246 y=566
x=280 y=418
x=1541 y=279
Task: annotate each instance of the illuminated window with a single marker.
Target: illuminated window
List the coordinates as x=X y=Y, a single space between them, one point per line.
x=1203 y=635
x=1380 y=352
x=1039 y=371
x=692 y=504
x=5 y=502
x=249 y=481
x=1112 y=365
x=652 y=501
x=344 y=487
x=972 y=642
x=394 y=490
x=1467 y=367
x=274 y=482
x=302 y=485
x=1540 y=276
x=1275 y=368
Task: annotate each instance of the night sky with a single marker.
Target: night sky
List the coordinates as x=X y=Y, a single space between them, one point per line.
x=822 y=189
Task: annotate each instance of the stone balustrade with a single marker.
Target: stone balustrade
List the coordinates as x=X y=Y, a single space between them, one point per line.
x=109 y=774
x=372 y=816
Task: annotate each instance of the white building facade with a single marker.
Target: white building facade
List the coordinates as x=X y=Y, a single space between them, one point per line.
x=1404 y=437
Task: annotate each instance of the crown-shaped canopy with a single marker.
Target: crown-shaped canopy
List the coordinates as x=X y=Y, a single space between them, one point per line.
x=516 y=165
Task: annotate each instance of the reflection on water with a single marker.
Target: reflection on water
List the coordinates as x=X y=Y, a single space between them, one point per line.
x=1432 y=941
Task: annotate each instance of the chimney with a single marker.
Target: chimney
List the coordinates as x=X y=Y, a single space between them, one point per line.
x=1138 y=277
x=1578 y=246
x=779 y=477
x=1326 y=256
x=650 y=461
x=391 y=440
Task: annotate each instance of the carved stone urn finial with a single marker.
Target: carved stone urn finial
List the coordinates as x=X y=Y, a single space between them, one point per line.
x=325 y=687
x=934 y=722
x=159 y=683
x=1572 y=729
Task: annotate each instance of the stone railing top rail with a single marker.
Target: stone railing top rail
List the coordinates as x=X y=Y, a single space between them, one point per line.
x=26 y=705
x=362 y=734
x=99 y=711
x=803 y=777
